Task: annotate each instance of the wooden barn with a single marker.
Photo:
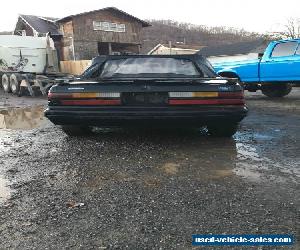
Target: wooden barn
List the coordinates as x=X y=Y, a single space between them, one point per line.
x=100 y=32
x=86 y=35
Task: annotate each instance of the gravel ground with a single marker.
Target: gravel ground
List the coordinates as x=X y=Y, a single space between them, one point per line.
x=146 y=189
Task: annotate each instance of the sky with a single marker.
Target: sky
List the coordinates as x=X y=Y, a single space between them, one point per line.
x=252 y=15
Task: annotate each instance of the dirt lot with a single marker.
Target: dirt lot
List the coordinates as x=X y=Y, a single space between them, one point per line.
x=146 y=190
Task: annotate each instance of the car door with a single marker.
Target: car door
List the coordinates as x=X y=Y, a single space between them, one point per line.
x=282 y=64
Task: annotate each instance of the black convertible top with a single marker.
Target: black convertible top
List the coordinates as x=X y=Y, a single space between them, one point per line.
x=192 y=57
x=197 y=59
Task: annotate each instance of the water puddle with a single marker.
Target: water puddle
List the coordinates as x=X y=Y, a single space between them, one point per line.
x=248 y=171
x=247 y=152
x=21 y=118
x=5 y=191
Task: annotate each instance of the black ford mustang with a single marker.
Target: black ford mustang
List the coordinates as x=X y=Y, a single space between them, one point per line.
x=146 y=90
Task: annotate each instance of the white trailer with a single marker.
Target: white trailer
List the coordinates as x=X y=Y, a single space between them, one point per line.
x=28 y=63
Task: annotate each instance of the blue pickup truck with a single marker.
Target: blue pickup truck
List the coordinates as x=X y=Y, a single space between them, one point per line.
x=273 y=72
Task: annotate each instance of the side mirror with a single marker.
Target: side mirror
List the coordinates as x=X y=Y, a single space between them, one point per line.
x=260 y=55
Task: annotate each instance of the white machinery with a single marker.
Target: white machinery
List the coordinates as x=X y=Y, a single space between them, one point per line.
x=27 y=62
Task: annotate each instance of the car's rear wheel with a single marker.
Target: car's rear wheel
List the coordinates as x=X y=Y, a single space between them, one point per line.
x=277 y=91
x=73 y=130
x=224 y=130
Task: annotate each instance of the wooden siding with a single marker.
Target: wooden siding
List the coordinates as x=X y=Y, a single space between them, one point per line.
x=74 y=67
x=84 y=29
x=79 y=31
x=67 y=29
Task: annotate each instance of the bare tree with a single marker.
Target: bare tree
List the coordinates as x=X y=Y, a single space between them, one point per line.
x=292 y=28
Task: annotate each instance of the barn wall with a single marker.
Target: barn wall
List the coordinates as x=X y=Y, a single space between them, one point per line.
x=84 y=30
x=67 y=41
x=80 y=33
x=74 y=67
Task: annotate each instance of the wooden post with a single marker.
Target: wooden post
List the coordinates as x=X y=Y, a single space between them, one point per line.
x=109 y=49
x=73 y=49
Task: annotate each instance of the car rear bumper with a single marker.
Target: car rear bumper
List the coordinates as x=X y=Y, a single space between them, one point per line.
x=135 y=116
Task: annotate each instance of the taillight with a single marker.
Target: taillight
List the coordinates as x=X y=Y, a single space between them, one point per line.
x=83 y=95
x=99 y=98
x=206 y=98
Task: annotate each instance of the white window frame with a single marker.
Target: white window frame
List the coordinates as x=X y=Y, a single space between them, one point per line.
x=109 y=26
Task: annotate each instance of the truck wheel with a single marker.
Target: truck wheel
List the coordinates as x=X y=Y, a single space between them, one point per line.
x=14 y=82
x=225 y=130
x=5 y=83
x=73 y=130
x=277 y=91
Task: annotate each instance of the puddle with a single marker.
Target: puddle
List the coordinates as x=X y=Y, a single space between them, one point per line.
x=251 y=164
x=21 y=118
x=4 y=190
x=247 y=171
x=262 y=137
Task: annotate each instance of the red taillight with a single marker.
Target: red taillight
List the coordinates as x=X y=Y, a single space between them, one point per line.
x=208 y=102
x=85 y=98
x=223 y=98
x=58 y=95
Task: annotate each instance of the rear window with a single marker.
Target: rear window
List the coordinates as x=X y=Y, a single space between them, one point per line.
x=149 y=67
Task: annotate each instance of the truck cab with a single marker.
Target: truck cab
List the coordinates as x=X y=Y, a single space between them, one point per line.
x=272 y=73
x=281 y=62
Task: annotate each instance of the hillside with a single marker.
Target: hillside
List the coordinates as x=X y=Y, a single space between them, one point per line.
x=163 y=31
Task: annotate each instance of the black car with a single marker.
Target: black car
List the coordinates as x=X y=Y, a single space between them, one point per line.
x=147 y=90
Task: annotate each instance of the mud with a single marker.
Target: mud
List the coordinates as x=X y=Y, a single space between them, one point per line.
x=146 y=189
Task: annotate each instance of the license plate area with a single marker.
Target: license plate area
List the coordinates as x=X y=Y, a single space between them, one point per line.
x=145 y=99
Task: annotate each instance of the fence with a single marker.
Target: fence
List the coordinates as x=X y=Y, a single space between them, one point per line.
x=74 y=67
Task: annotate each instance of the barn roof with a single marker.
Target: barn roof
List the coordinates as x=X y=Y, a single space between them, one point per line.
x=112 y=9
x=240 y=48
x=41 y=24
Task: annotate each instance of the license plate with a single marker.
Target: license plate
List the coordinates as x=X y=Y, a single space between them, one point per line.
x=140 y=98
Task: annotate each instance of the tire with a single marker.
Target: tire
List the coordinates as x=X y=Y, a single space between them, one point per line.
x=72 y=130
x=14 y=82
x=277 y=91
x=5 y=83
x=225 y=130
